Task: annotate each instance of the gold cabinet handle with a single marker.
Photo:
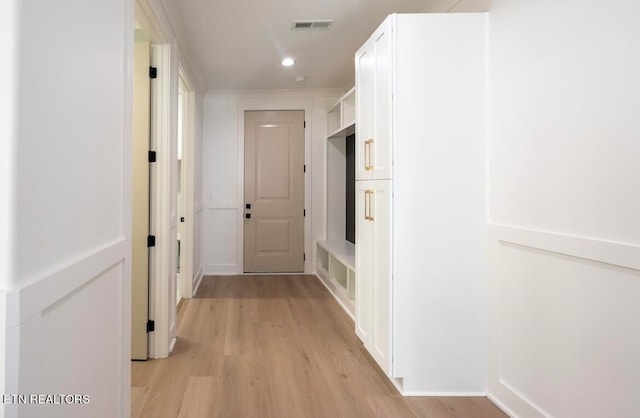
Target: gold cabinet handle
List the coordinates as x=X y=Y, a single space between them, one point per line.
x=368 y=212
x=367 y=155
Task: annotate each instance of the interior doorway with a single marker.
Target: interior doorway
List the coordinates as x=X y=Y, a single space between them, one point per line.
x=179 y=190
x=185 y=187
x=274 y=191
x=140 y=198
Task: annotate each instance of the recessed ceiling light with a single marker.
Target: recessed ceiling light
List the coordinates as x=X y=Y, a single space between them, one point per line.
x=287 y=62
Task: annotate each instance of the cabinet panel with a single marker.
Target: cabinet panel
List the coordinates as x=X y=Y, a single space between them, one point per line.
x=381 y=148
x=374 y=91
x=364 y=266
x=373 y=253
x=365 y=77
x=380 y=215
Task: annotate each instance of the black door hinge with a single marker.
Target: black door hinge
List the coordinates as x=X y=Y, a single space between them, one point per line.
x=152 y=156
x=151 y=241
x=304 y=168
x=305 y=124
x=151 y=326
x=304 y=257
x=182 y=219
x=153 y=72
x=304 y=212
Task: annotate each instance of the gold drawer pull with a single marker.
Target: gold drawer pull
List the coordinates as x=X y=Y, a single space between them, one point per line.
x=367 y=157
x=368 y=211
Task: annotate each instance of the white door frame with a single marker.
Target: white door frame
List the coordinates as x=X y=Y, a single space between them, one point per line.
x=270 y=103
x=163 y=206
x=162 y=269
x=186 y=239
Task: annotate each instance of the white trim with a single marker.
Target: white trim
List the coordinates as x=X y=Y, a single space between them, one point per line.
x=274 y=103
x=501 y=236
x=443 y=394
x=197 y=280
x=187 y=234
x=145 y=14
x=18 y=340
x=160 y=301
x=279 y=94
x=10 y=73
x=501 y=405
x=26 y=302
x=222 y=205
x=194 y=77
x=521 y=397
x=609 y=252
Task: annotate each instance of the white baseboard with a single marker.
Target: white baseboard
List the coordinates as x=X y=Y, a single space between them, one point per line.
x=502 y=406
x=443 y=394
x=197 y=280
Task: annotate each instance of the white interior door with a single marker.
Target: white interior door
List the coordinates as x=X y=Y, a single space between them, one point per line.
x=140 y=203
x=274 y=191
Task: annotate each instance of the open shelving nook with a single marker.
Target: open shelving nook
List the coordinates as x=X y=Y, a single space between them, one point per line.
x=335 y=257
x=342 y=115
x=336 y=262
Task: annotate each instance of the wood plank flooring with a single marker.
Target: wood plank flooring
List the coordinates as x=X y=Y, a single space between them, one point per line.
x=275 y=346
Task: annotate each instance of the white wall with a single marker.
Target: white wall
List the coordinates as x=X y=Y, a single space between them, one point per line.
x=222 y=182
x=66 y=306
x=564 y=199
x=197 y=192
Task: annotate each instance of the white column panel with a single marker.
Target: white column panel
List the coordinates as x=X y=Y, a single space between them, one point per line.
x=66 y=306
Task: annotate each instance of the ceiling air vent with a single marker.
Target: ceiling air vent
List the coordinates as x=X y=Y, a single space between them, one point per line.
x=311 y=24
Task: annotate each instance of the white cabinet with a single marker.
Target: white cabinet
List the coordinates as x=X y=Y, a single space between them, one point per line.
x=373 y=262
x=420 y=205
x=373 y=95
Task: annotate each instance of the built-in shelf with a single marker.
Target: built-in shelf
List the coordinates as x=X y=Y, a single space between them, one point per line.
x=336 y=257
x=341 y=118
x=335 y=265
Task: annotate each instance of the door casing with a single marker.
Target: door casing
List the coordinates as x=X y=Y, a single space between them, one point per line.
x=274 y=103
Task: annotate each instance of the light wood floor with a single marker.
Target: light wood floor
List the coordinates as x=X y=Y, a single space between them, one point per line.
x=275 y=346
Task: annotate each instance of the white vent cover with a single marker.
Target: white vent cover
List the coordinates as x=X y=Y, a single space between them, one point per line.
x=311 y=24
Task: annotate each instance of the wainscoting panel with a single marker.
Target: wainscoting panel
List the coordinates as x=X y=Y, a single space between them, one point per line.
x=564 y=323
x=53 y=350
x=221 y=239
x=197 y=241
x=68 y=361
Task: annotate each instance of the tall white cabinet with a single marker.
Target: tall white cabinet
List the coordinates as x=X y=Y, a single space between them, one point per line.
x=420 y=204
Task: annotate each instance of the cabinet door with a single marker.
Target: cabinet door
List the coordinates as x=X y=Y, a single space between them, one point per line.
x=374 y=106
x=373 y=264
x=365 y=96
x=364 y=263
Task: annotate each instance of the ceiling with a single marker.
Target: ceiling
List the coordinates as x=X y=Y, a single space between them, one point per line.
x=239 y=44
